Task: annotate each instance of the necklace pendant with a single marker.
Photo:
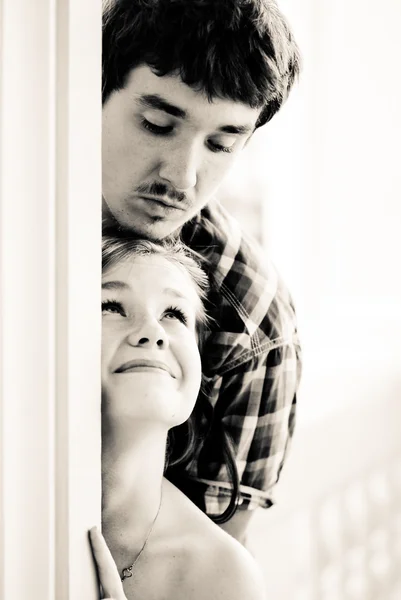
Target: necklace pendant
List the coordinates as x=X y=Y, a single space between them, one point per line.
x=127 y=572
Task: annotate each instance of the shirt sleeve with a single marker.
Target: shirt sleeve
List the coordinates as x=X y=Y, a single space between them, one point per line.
x=256 y=402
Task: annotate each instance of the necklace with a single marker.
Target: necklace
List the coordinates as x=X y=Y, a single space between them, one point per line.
x=127 y=572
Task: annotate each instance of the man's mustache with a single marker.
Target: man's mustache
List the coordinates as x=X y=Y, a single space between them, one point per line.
x=161 y=189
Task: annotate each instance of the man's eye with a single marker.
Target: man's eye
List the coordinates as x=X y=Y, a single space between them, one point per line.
x=176 y=313
x=215 y=147
x=113 y=307
x=157 y=129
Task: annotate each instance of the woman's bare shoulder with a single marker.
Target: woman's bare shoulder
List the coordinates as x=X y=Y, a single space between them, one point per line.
x=227 y=570
x=214 y=563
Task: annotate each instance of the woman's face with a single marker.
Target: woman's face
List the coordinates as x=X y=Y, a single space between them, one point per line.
x=151 y=366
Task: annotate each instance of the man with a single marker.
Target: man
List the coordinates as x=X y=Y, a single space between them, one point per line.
x=185 y=84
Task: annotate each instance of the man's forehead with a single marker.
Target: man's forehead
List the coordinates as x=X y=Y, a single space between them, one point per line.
x=171 y=95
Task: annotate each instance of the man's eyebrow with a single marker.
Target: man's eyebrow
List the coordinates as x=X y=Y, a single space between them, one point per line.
x=157 y=102
x=238 y=129
x=115 y=285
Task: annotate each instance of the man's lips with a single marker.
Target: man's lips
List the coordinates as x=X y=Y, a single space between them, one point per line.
x=144 y=365
x=165 y=202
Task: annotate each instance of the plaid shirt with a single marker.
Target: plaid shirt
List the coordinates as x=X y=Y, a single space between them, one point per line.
x=251 y=362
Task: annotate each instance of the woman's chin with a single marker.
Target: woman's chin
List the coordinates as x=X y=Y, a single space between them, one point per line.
x=156 y=407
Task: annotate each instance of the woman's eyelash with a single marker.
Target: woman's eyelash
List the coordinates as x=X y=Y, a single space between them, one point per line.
x=157 y=129
x=113 y=306
x=116 y=307
x=177 y=313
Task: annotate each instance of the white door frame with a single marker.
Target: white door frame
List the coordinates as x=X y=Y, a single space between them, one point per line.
x=50 y=228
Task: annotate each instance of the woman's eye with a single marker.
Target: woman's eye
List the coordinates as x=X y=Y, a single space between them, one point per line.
x=157 y=129
x=113 y=307
x=176 y=313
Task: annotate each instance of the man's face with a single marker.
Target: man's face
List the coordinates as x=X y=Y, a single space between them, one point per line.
x=166 y=149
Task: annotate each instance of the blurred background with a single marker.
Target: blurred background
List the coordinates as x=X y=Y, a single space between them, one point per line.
x=320 y=187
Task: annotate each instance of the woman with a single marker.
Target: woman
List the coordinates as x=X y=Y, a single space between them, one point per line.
x=161 y=544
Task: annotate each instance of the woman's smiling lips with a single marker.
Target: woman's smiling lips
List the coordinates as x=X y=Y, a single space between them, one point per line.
x=141 y=364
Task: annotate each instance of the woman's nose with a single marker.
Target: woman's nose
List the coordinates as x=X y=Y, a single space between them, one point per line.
x=149 y=335
x=180 y=167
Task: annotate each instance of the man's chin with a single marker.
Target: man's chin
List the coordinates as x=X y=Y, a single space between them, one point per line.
x=113 y=227
x=127 y=224
x=161 y=237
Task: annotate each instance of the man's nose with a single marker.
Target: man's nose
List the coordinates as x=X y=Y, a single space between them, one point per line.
x=149 y=334
x=180 y=166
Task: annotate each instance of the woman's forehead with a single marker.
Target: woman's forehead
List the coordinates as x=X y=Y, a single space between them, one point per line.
x=153 y=273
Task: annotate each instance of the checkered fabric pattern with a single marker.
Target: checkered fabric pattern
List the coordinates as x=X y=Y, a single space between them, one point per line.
x=251 y=362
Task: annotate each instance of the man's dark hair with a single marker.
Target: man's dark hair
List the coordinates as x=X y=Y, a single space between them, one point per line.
x=242 y=50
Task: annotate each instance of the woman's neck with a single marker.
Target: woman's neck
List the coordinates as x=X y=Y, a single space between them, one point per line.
x=132 y=474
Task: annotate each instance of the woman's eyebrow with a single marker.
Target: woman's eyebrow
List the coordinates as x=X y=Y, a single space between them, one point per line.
x=114 y=285
x=187 y=297
x=159 y=103
x=176 y=293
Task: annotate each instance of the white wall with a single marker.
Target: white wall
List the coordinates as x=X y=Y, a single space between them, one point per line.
x=343 y=128
x=327 y=170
